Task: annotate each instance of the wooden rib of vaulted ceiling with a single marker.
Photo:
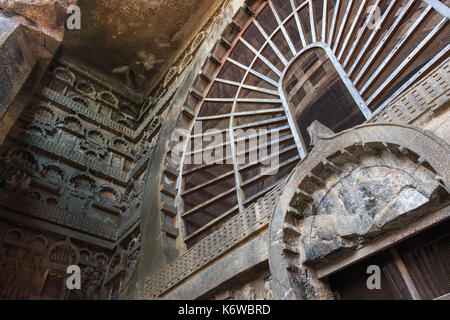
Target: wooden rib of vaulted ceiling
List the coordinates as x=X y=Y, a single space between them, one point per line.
x=295 y=61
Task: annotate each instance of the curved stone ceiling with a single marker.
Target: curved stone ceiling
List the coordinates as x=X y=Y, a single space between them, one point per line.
x=133 y=42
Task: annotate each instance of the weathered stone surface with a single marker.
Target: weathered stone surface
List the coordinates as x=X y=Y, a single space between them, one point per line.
x=30 y=34
x=246 y=257
x=46 y=16
x=360 y=206
x=18 y=60
x=387 y=177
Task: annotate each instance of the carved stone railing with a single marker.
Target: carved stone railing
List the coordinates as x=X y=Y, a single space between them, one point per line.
x=153 y=122
x=431 y=93
x=57 y=215
x=94 y=116
x=71 y=155
x=230 y=234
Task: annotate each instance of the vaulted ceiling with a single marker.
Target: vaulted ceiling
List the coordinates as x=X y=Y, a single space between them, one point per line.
x=133 y=43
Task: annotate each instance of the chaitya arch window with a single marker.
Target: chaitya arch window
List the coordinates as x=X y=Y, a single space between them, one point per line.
x=311 y=84
x=294 y=61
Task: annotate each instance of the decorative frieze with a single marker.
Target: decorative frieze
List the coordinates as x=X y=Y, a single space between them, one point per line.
x=71 y=156
x=229 y=235
x=429 y=94
x=82 y=110
x=35 y=265
x=57 y=215
x=153 y=123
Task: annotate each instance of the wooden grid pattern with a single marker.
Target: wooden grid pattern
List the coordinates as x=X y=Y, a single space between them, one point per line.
x=376 y=46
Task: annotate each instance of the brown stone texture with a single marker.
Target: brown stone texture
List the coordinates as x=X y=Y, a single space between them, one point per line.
x=47 y=16
x=87 y=118
x=140 y=39
x=352 y=189
x=31 y=32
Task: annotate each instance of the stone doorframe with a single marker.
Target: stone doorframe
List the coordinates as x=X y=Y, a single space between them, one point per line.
x=352 y=190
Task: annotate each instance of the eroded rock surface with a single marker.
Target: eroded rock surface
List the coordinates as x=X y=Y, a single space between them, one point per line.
x=366 y=202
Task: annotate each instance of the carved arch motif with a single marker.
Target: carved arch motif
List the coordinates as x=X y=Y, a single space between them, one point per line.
x=109 y=193
x=36 y=130
x=197 y=41
x=39 y=242
x=44 y=111
x=109 y=98
x=245 y=91
x=170 y=75
x=80 y=100
x=53 y=171
x=14 y=235
x=43 y=119
x=121 y=144
x=86 y=88
x=64 y=253
x=34 y=195
x=74 y=124
x=85 y=255
x=97 y=136
x=83 y=181
x=101 y=259
x=65 y=75
x=353 y=187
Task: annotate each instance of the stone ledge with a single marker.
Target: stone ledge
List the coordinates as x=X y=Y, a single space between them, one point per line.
x=57 y=215
x=232 y=233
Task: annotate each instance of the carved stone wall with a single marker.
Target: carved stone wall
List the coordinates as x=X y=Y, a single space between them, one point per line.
x=33 y=265
x=27 y=45
x=83 y=161
x=352 y=188
x=73 y=167
x=74 y=162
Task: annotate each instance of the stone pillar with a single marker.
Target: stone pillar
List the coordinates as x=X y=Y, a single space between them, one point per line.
x=30 y=33
x=155 y=252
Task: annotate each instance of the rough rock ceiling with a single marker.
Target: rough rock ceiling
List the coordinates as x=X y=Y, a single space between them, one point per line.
x=133 y=42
